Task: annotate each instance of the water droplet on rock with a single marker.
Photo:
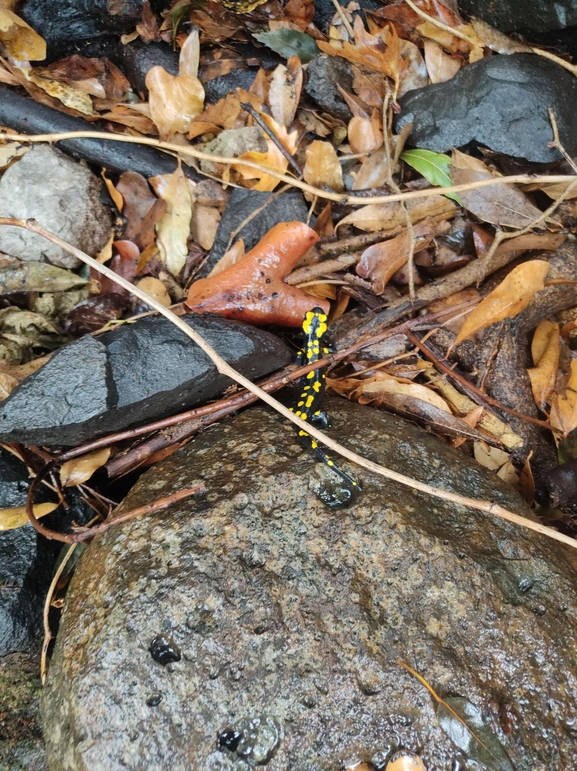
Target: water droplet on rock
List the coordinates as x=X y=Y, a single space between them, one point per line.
x=229 y=739
x=255 y=739
x=154 y=700
x=164 y=650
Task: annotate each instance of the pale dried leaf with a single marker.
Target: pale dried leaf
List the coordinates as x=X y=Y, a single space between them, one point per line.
x=440 y=66
x=7 y=384
x=497 y=41
x=190 y=55
x=21 y=42
x=373 y=172
x=322 y=168
x=156 y=289
x=10 y=152
x=502 y=205
x=17 y=517
x=173 y=229
x=508 y=299
x=272 y=159
x=79 y=470
x=489 y=457
x=363 y=135
x=391 y=216
x=204 y=224
x=413 y=71
x=68 y=95
x=174 y=101
x=285 y=90
x=389 y=385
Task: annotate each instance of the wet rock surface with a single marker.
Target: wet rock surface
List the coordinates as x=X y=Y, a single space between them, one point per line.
x=324 y=75
x=527 y=15
x=499 y=102
x=289 y=616
x=288 y=207
x=138 y=372
x=61 y=195
x=21 y=746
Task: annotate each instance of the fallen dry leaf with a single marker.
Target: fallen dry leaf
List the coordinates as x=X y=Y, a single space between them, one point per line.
x=204 y=224
x=564 y=407
x=285 y=90
x=272 y=159
x=156 y=289
x=69 y=96
x=17 y=517
x=79 y=470
x=391 y=216
x=490 y=457
x=440 y=66
x=173 y=230
x=508 y=299
x=21 y=42
x=322 y=167
x=364 y=135
x=174 y=101
x=234 y=254
x=545 y=349
x=502 y=205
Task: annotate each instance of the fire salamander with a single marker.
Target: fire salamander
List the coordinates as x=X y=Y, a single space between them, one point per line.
x=316 y=345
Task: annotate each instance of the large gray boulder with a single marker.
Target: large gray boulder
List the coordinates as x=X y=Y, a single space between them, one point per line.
x=257 y=626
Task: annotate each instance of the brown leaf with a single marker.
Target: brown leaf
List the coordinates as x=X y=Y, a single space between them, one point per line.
x=174 y=101
x=79 y=470
x=391 y=216
x=508 y=299
x=364 y=135
x=564 y=407
x=204 y=224
x=381 y=261
x=385 y=384
x=413 y=71
x=21 y=42
x=141 y=208
x=299 y=12
x=285 y=90
x=502 y=205
x=272 y=159
x=440 y=66
x=322 y=168
x=545 y=349
x=497 y=41
x=156 y=289
x=234 y=254
x=373 y=172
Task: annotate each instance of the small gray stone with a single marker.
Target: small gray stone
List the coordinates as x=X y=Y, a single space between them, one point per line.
x=234 y=142
x=500 y=102
x=64 y=196
x=397 y=575
x=323 y=75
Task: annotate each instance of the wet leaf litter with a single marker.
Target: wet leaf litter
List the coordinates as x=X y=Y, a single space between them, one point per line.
x=459 y=259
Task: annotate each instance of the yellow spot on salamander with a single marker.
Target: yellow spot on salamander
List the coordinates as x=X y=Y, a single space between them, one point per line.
x=303 y=433
x=317 y=386
x=330 y=463
x=314 y=444
x=300 y=404
x=311 y=375
x=310 y=401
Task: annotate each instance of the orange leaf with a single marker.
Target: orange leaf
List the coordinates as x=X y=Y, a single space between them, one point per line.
x=272 y=159
x=364 y=137
x=322 y=167
x=174 y=100
x=545 y=351
x=508 y=299
x=564 y=408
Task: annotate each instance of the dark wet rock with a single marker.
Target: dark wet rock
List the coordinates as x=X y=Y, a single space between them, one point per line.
x=324 y=74
x=64 y=24
x=292 y=614
x=534 y=16
x=26 y=563
x=218 y=88
x=138 y=372
x=21 y=745
x=325 y=11
x=499 y=102
x=61 y=195
x=286 y=207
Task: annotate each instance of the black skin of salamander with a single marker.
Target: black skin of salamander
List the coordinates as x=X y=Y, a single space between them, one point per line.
x=316 y=345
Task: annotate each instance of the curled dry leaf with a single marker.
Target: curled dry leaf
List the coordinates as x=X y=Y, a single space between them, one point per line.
x=21 y=42
x=564 y=407
x=174 y=101
x=174 y=228
x=374 y=171
x=17 y=517
x=380 y=262
x=392 y=217
x=508 y=299
x=545 y=350
x=79 y=470
x=502 y=205
x=156 y=289
x=272 y=159
x=440 y=66
x=285 y=90
x=70 y=97
x=385 y=384
x=322 y=168
x=253 y=289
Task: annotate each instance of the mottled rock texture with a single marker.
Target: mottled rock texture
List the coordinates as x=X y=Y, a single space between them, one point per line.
x=63 y=196
x=286 y=618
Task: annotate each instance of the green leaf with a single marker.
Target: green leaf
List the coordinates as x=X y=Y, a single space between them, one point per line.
x=464 y=725
x=290 y=42
x=433 y=166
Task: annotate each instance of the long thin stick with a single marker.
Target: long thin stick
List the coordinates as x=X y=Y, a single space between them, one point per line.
x=225 y=369
x=343 y=198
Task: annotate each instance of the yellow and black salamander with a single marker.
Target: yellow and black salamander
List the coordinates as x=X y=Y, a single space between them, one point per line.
x=316 y=345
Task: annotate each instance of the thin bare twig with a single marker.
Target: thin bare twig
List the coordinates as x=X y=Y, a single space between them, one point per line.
x=224 y=368
x=272 y=136
x=344 y=198
x=45 y=616
x=557 y=141
x=345 y=21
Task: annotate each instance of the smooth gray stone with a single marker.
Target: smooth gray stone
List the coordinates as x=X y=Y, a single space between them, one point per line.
x=501 y=103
